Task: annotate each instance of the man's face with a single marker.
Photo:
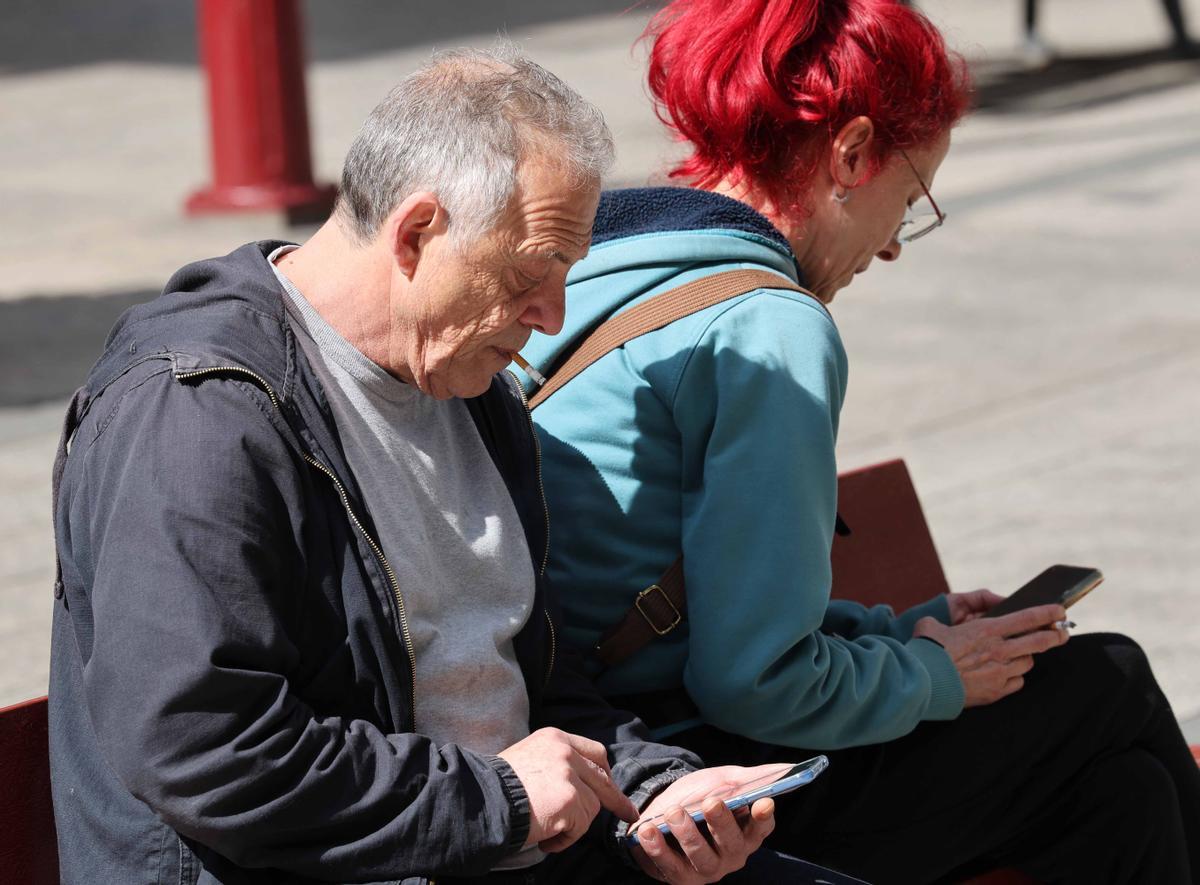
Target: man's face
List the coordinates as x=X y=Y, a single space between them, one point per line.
x=473 y=306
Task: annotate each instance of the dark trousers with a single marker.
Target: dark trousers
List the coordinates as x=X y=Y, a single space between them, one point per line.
x=1082 y=776
x=584 y=864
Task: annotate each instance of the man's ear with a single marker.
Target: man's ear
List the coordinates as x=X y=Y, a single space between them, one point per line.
x=409 y=227
x=850 y=152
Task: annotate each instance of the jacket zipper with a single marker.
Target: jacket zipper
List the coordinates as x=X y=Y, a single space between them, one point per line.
x=537 y=450
x=405 y=633
x=213 y=370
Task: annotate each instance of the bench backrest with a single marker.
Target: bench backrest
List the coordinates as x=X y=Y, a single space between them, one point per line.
x=889 y=556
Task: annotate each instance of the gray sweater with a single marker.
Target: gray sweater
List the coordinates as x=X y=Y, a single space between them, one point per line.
x=448 y=527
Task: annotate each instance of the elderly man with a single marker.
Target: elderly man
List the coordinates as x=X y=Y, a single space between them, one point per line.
x=301 y=629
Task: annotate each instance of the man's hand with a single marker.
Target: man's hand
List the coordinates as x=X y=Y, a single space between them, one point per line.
x=568 y=780
x=969 y=606
x=731 y=837
x=993 y=655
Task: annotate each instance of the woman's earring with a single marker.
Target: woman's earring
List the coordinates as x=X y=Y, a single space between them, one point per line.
x=843 y=197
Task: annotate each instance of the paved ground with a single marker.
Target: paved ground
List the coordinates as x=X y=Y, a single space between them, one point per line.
x=1036 y=361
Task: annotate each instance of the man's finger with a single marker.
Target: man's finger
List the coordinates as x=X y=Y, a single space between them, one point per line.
x=759 y=823
x=669 y=864
x=724 y=829
x=697 y=849
x=1029 y=619
x=557 y=843
x=597 y=779
x=593 y=751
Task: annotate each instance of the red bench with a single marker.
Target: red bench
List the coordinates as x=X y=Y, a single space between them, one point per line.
x=28 y=849
x=889 y=558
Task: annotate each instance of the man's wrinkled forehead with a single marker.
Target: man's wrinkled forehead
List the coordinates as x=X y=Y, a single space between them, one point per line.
x=551 y=214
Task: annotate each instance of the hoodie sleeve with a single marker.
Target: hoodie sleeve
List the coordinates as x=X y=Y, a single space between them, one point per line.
x=184 y=516
x=757 y=407
x=853 y=619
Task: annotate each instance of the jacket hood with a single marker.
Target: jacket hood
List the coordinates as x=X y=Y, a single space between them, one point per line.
x=647 y=239
x=218 y=312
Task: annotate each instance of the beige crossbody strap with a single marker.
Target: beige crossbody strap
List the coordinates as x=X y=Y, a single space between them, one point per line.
x=662 y=606
x=654 y=313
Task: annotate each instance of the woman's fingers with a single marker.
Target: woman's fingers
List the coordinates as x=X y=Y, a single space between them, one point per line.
x=1027 y=620
x=1012 y=686
x=1034 y=643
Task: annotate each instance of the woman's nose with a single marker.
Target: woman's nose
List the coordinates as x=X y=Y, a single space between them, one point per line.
x=890 y=252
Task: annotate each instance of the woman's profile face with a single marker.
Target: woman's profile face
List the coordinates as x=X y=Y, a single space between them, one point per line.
x=840 y=239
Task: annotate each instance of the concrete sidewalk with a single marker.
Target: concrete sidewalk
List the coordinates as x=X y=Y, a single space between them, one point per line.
x=1037 y=360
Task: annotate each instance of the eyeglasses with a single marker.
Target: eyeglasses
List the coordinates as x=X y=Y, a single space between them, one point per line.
x=916 y=224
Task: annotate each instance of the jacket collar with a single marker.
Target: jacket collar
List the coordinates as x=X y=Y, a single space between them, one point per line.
x=218 y=312
x=227 y=315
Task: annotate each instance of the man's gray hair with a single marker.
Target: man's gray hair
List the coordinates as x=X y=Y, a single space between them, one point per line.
x=458 y=127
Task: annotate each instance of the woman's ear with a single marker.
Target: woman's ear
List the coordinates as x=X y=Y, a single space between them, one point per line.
x=409 y=227
x=850 y=152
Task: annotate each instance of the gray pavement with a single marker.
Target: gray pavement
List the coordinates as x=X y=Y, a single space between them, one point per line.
x=1036 y=361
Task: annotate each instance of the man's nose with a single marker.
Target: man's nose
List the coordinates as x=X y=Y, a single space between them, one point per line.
x=547 y=312
x=890 y=252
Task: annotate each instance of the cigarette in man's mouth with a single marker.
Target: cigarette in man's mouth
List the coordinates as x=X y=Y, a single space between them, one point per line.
x=538 y=378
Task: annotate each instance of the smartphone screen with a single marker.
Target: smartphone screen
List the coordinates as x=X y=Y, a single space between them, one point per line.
x=742 y=795
x=1060 y=584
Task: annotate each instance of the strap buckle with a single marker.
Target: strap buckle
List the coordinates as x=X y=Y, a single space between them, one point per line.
x=648 y=616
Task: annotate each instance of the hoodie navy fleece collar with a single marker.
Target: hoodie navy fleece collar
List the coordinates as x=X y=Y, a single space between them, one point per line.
x=640 y=210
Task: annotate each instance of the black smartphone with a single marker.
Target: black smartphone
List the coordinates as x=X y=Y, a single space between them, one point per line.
x=1064 y=585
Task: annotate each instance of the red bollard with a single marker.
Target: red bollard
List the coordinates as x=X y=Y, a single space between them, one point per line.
x=258 y=112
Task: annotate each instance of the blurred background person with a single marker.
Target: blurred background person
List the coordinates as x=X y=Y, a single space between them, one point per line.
x=1037 y=53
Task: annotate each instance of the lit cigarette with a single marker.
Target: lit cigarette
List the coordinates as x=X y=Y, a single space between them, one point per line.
x=1065 y=626
x=538 y=378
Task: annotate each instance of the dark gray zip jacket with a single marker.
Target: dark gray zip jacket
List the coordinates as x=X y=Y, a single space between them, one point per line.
x=231 y=690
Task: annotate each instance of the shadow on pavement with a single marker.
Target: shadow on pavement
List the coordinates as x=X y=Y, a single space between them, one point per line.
x=1076 y=82
x=48 y=343
x=47 y=34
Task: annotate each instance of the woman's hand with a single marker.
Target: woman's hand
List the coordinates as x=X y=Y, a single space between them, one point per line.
x=969 y=606
x=731 y=837
x=992 y=655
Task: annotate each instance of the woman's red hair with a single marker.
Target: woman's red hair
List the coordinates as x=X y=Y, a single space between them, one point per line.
x=759 y=88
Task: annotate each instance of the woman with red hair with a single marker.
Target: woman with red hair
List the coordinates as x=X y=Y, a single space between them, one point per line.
x=815 y=131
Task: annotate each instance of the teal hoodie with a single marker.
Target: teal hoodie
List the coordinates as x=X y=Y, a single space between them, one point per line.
x=715 y=436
